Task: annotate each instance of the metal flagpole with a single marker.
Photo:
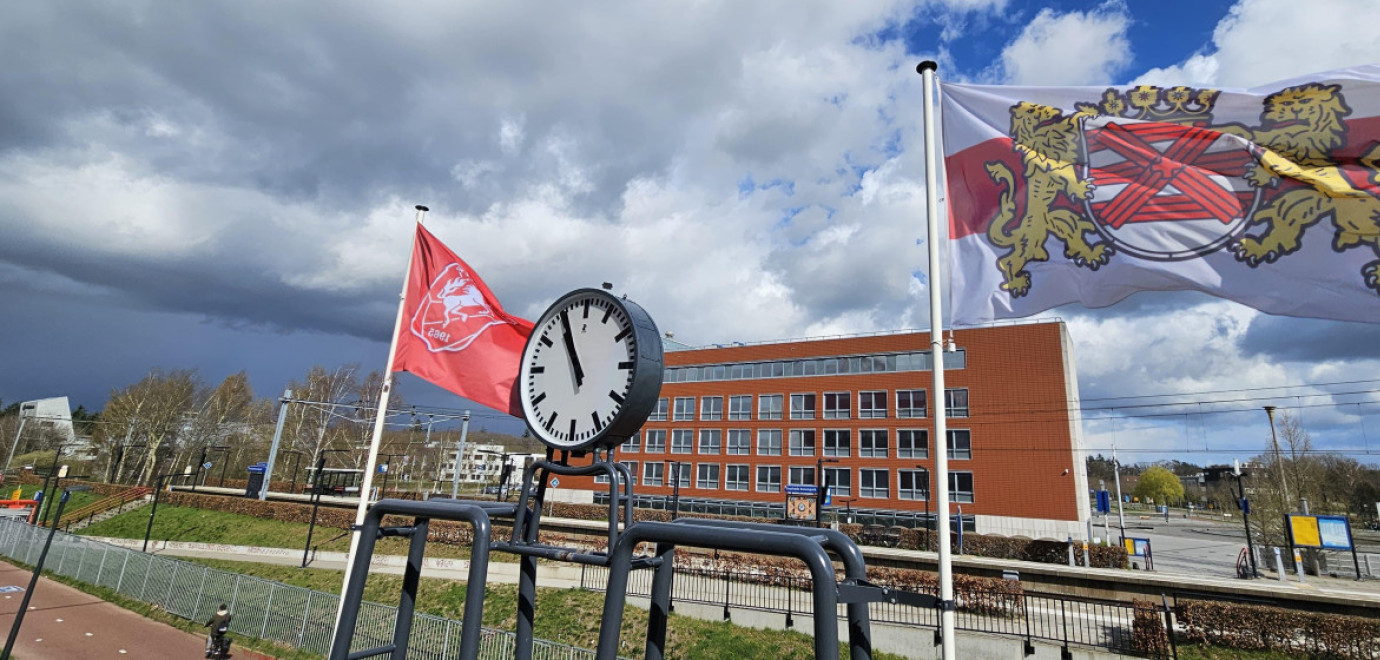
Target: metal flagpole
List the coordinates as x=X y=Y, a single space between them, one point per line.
x=372 y=463
x=926 y=70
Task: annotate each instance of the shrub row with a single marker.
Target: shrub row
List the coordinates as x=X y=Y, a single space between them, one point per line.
x=1148 y=633
x=1263 y=628
x=980 y=545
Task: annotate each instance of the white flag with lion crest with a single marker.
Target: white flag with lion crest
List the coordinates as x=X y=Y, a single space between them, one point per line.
x=1267 y=196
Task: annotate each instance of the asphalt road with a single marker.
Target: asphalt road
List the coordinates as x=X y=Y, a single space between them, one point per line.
x=66 y=624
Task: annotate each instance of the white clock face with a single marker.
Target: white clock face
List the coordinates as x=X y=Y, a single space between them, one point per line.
x=577 y=370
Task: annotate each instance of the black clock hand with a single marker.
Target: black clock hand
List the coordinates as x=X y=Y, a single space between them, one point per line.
x=570 y=350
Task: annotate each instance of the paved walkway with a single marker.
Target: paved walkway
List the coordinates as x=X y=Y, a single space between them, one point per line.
x=66 y=624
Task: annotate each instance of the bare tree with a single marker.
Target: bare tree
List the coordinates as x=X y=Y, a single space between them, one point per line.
x=308 y=424
x=154 y=411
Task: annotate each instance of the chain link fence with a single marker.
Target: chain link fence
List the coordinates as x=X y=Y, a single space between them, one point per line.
x=295 y=616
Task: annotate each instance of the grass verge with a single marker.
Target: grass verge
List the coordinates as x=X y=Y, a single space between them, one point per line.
x=568 y=616
x=177 y=523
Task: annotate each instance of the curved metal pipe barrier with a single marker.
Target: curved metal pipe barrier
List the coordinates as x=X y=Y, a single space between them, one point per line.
x=474 y=514
x=668 y=535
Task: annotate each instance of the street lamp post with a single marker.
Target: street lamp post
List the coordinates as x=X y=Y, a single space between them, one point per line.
x=316 y=499
x=157 y=491
x=1246 y=518
x=927 y=504
x=33 y=581
x=296 y=463
x=201 y=464
x=675 y=489
x=52 y=474
x=821 y=485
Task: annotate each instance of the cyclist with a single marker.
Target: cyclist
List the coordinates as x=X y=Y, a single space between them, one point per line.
x=219 y=625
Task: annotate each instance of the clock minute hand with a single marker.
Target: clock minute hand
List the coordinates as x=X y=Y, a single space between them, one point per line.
x=570 y=350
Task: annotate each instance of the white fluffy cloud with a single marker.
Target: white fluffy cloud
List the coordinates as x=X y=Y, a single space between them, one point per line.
x=1261 y=41
x=1073 y=48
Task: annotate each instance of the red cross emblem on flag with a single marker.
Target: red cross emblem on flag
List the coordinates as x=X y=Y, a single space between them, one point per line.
x=1166 y=191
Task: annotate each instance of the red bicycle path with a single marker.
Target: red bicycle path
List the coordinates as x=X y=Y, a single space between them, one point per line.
x=66 y=624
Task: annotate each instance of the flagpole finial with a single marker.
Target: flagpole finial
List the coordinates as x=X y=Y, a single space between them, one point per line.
x=930 y=65
x=422 y=208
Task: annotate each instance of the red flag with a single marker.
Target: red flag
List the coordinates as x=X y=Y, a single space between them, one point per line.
x=455 y=334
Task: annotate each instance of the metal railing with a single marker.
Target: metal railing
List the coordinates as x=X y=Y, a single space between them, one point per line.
x=1102 y=624
x=777 y=511
x=295 y=616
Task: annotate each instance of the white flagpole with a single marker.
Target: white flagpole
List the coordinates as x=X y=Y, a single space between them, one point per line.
x=367 y=483
x=926 y=70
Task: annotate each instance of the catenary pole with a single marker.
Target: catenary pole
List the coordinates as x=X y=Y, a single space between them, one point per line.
x=371 y=463
x=277 y=439
x=459 y=452
x=926 y=70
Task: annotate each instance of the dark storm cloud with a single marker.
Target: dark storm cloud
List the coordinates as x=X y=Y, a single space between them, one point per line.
x=1309 y=340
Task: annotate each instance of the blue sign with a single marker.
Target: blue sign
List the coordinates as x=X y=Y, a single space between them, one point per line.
x=1334 y=532
x=801 y=490
x=1104 y=501
x=828 y=496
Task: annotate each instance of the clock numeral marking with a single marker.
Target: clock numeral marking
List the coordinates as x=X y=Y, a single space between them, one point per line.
x=547 y=341
x=625 y=365
x=538 y=370
x=540 y=397
x=597 y=424
x=552 y=422
x=586 y=309
x=572 y=429
x=608 y=312
x=619 y=337
x=616 y=396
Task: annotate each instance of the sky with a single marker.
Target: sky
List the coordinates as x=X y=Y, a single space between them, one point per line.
x=229 y=185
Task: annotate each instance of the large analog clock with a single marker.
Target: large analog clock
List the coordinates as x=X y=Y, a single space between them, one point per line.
x=591 y=371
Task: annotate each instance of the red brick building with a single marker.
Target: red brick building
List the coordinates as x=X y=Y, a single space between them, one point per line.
x=741 y=422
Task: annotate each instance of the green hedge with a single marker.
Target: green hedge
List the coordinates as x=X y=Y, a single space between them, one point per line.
x=1263 y=628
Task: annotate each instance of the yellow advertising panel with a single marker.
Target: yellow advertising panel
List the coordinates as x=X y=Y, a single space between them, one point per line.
x=1305 y=531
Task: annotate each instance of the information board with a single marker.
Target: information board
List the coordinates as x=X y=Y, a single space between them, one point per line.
x=1327 y=532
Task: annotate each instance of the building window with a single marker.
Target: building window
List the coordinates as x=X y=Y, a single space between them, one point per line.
x=769 y=406
x=736 y=477
x=803 y=406
x=739 y=442
x=653 y=473
x=961 y=487
x=873 y=483
x=838 y=442
x=768 y=478
x=711 y=441
x=680 y=474
x=768 y=442
x=960 y=445
x=840 y=479
x=872 y=405
x=913 y=443
x=656 y=441
x=740 y=407
x=910 y=485
x=659 y=411
x=956 y=402
x=707 y=476
x=682 y=441
x=837 y=405
x=711 y=408
x=872 y=443
x=910 y=403
x=632 y=470
x=802 y=476
x=685 y=409
x=630 y=445
x=802 y=442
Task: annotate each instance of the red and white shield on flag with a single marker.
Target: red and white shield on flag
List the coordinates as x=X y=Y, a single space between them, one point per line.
x=453 y=313
x=1166 y=192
